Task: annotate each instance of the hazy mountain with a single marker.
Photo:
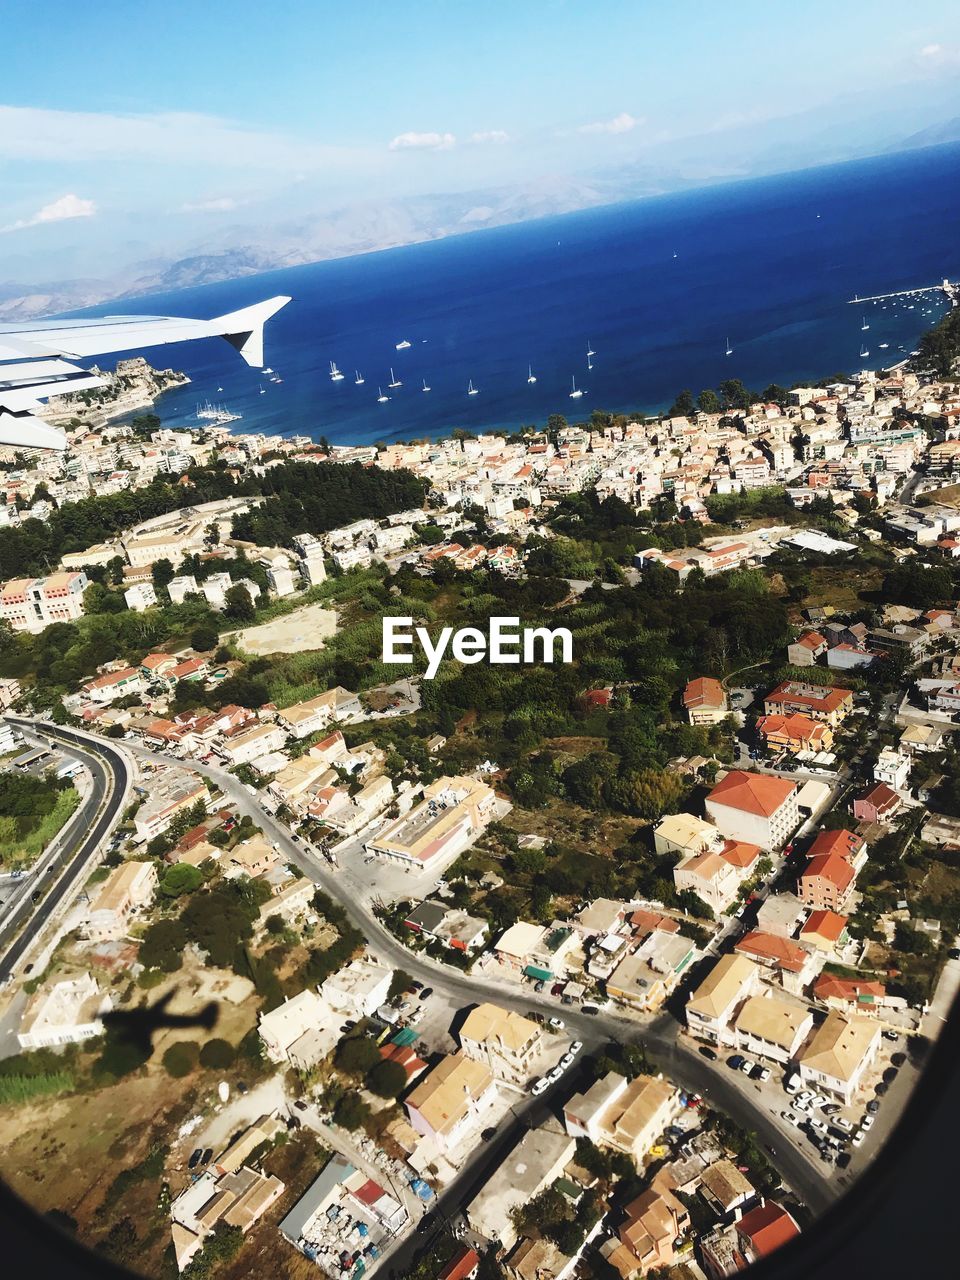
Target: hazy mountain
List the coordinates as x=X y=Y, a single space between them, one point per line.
x=937 y=135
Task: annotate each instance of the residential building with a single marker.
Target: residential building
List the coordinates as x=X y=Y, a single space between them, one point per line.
x=169 y=794
x=844 y=843
x=253 y=857
x=30 y=604
x=819 y=702
x=126 y=890
x=251 y=744
x=506 y=1041
x=793 y=966
x=644 y=978
x=725 y=1188
x=759 y=1233
x=893 y=768
x=772 y=1027
x=603 y=915
x=824 y=931
x=452 y=814
x=536 y=1162
x=805 y=650
x=517 y=945
x=842 y=1050
x=358 y=990
x=140 y=596
x=795 y=733
x=9 y=693
x=826 y=882
x=237 y=1199
x=304 y=718
x=67 y=1012
x=705 y=701
x=627 y=1115
x=711 y=1008
x=685 y=834
x=710 y=877
x=115 y=684
x=753 y=807
x=291 y=1023
x=850 y=995
x=780 y=913
x=464 y=1265
x=537 y=1260
x=877 y=804
x=654 y=1226
x=451 y=1102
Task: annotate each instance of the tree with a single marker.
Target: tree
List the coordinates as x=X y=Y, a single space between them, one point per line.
x=399 y=983
x=179 y=879
x=181 y=1059
x=217 y=1054
x=238 y=605
x=162 y=574
x=162 y=945
x=356 y=1055
x=351 y=1112
x=683 y=406
x=203 y=638
x=708 y=401
x=387 y=1079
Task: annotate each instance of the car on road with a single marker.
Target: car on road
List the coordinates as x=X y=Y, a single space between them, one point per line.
x=802 y=1107
x=554 y=1075
x=195 y=1158
x=538 y=1086
x=300 y=1104
x=859 y=1138
x=576 y=1047
x=873 y=1106
x=736 y=1061
x=556 y=1023
x=867 y=1122
x=487 y=1135
x=890 y=1035
x=953 y=953
x=426 y=993
x=760 y=1073
x=207 y=1156
x=707 y=1053
x=816 y=1125
x=746 y=1066
x=843 y=1125
x=566 y=1061
x=791 y=1119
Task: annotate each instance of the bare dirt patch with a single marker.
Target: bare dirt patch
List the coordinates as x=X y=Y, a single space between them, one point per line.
x=296 y=632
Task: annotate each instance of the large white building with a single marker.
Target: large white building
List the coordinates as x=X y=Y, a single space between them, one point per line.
x=755 y=808
x=452 y=814
x=30 y=604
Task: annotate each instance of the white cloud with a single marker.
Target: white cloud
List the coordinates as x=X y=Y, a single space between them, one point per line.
x=423 y=142
x=492 y=136
x=68 y=206
x=221 y=204
x=939 y=56
x=622 y=123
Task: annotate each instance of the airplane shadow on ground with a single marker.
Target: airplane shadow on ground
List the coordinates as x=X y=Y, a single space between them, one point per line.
x=137 y=1026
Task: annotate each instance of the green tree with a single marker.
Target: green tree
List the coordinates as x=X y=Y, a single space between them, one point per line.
x=387 y=1079
x=708 y=401
x=181 y=1059
x=356 y=1055
x=238 y=604
x=179 y=879
x=162 y=945
x=203 y=638
x=217 y=1054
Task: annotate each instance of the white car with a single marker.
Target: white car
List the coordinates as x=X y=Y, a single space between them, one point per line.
x=556 y=1023
x=763 y=1074
x=746 y=1066
x=858 y=1138
x=566 y=1061
x=806 y=1095
x=844 y=1126
x=818 y=1100
x=554 y=1075
x=816 y=1125
x=791 y=1119
x=575 y=1048
x=792 y=1083
x=803 y=1107
x=867 y=1122
x=538 y=1086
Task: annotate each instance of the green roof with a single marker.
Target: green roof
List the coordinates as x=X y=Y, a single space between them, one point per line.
x=404 y=1037
x=534 y=971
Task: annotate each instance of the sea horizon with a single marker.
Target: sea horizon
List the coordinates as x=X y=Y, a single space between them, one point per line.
x=658 y=289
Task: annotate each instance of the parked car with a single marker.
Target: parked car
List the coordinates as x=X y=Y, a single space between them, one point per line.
x=881 y=1088
x=556 y=1023
x=791 y=1119
x=898 y=1059
x=708 y=1053
x=867 y=1122
x=207 y=1156
x=589 y=1007
x=300 y=1104
x=415 y=985
x=760 y=1073
x=830 y=1109
x=802 y=1107
x=426 y=993
x=566 y=1061
x=576 y=1047
x=890 y=1075
x=538 y=987
x=554 y=1075
x=873 y=1106
x=746 y=1066
x=538 y=1086
x=792 y=1082
x=858 y=1138
x=816 y=1125
x=487 y=1135
x=843 y=1125
x=890 y=1035
x=195 y=1158
x=736 y=1061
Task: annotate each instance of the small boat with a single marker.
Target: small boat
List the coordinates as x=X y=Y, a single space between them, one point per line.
x=674 y=254
x=590 y=350
x=575 y=394
x=402 y=346
x=357 y=381
x=471 y=389
x=381 y=398
x=863 y=323
x=589 y=365
x=267 y=369
x=884 y=345
x=394 y=380
x=219 y=388
x=729 y=349
x=424 y=387
x=864 y=353
x=531 y=376
x=263 y=391
x=910 y=308
x=335 y=374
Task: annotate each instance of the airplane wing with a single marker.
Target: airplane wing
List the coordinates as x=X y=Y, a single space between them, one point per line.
x=37 y=359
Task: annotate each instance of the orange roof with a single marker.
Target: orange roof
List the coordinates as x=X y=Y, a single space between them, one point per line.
x=826 y=924
x=829 y=987
x=463 y=1262
x=770 y=946
x=704 y=692
x=811 y=640
x=739 y=853
x=798 y=727
x=824 y=699
x=880 y=796
x=752 y=792
x=830 y=866
x=644 y=922
x=842 y=842
x=767 y=1228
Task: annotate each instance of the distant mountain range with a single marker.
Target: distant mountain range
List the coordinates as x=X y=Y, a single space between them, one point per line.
x=244 y=249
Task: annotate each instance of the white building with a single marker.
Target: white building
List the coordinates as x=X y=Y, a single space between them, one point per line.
x=65 y=1013
x=755 y=808
x=140 y=596
x=358 y=990
x=30 y=604
x=892 y=768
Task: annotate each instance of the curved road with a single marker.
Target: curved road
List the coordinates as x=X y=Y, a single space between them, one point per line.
x=109 y=774
x=659 y=1036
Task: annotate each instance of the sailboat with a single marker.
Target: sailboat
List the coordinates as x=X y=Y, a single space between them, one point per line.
x=590 y=350
x=335 y=374
x=357 y=380
x=884 y=345
x=863 y=323
x=394 y=380
x=729 y=350
x=575 y=394
x=263 y=390
x=268 y=369
x=471 y=389
x=531 y=376
x=381 y=398
x=402 y=346
x=424 y=387
x=219 y=388
x=864 y=353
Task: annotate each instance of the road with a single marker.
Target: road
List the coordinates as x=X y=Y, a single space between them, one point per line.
x=658 y=1035
x=109 y=777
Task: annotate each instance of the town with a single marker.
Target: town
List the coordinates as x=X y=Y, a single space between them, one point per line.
x=620 y=964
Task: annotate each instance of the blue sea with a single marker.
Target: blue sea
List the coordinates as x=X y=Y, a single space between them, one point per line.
x=657 y=288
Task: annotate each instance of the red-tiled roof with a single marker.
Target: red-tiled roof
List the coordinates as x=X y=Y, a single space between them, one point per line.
x=770 y=946
x=752 y=792
x=767 y=1228
x=461 y=1264
x=845 y=843
x=739 y=853
x=827 y=924
x=830 y=866
x=830 y=987
x=703 y=692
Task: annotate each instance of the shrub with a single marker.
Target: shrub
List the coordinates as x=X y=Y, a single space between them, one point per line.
x=217 y=1054
x=181 y=1058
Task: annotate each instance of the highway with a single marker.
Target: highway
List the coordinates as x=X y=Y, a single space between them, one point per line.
x=722 y=1087
x=100 y=810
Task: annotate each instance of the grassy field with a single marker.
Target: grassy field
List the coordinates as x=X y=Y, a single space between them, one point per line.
x=23 y=838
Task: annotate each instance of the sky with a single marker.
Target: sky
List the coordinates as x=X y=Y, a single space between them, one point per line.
x=127 y=131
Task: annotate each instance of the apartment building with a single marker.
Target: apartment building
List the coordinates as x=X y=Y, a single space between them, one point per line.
x=538 y=1159
x=770 y=1027
x=819 y=702
x=506 y=1041
x=451 y=815
x=30 y=604
x=66 y=1013
x=755 y=808
x=313 y=716
x=711 y=1008
x=705 y=701
x=168 y=795
x=452 y=1102
x=251 y=744
x=826 y=882
x=628 y=1116
x=839 y=1055
x=126 y=890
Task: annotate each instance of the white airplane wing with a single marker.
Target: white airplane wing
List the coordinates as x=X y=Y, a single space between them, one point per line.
x=37 y=359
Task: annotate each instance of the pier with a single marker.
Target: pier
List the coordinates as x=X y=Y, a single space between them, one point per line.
x=945 y=287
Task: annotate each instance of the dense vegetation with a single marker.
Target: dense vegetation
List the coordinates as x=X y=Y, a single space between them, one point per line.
x=32 y=811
